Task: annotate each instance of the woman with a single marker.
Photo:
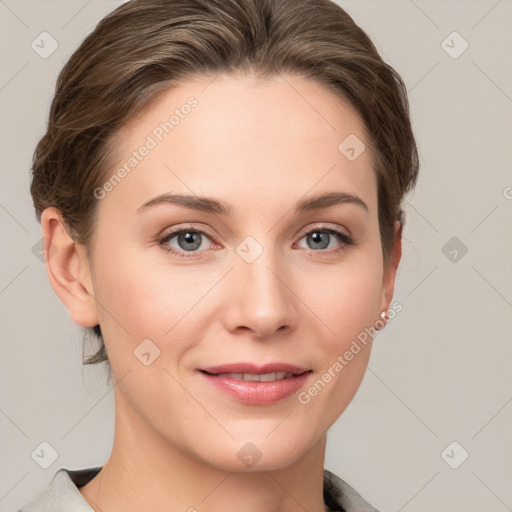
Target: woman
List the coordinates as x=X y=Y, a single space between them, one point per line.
x=219 y=190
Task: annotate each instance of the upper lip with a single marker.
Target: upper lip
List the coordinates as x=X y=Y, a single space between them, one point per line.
x=255 y=369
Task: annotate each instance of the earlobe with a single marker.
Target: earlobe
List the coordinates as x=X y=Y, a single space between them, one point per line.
x=388 y=283
x=68 y=269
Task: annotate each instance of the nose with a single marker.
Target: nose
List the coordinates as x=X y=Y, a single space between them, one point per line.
x=260 y=297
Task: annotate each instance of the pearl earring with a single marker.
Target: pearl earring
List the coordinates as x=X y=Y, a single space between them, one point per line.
x=384 y=317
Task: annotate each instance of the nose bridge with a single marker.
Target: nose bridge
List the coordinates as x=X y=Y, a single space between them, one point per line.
x=261 y=300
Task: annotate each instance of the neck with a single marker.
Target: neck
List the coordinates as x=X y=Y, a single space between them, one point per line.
x=146 y=471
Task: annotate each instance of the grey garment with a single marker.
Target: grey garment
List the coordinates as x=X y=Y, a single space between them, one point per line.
x=340 y=496
x=62 y=495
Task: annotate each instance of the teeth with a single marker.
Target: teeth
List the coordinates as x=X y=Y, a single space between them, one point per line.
x=268 y=377
x=252 y=377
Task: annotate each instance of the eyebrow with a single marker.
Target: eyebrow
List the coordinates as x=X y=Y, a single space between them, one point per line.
x=210 y=205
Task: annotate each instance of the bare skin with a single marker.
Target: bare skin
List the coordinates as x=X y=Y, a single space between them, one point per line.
x=262 y=147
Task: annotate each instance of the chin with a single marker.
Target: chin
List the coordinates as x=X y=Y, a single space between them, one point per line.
x=254 y=453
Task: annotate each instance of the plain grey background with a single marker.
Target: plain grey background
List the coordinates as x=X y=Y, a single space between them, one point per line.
x=438 y=387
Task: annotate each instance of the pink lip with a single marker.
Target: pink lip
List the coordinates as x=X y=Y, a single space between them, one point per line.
x=256 y=393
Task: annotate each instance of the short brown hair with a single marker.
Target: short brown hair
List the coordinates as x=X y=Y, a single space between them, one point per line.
x=145 y=47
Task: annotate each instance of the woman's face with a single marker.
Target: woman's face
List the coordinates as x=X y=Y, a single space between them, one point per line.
x=265 y=282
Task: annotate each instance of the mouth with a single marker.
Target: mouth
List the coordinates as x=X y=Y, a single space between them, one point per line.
x=257 y=385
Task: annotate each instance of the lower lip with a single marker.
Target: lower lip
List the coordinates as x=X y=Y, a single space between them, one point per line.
x=255 y=392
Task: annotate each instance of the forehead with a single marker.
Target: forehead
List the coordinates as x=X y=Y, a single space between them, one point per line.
x=245 y=137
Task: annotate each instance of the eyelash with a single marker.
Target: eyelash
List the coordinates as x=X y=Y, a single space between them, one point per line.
x=345 y=239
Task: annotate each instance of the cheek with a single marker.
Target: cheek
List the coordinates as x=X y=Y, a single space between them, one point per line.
x=139 y=301
x=345 y=300
x=347 y=305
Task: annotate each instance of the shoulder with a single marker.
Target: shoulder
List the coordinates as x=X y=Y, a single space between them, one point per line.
x=62 y=494
x=340 y=496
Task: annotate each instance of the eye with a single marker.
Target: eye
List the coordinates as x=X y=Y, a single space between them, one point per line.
x=188 y=240
x=321 y=237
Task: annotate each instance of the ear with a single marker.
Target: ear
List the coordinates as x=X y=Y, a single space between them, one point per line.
x=68 y=269
x=388 y=281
